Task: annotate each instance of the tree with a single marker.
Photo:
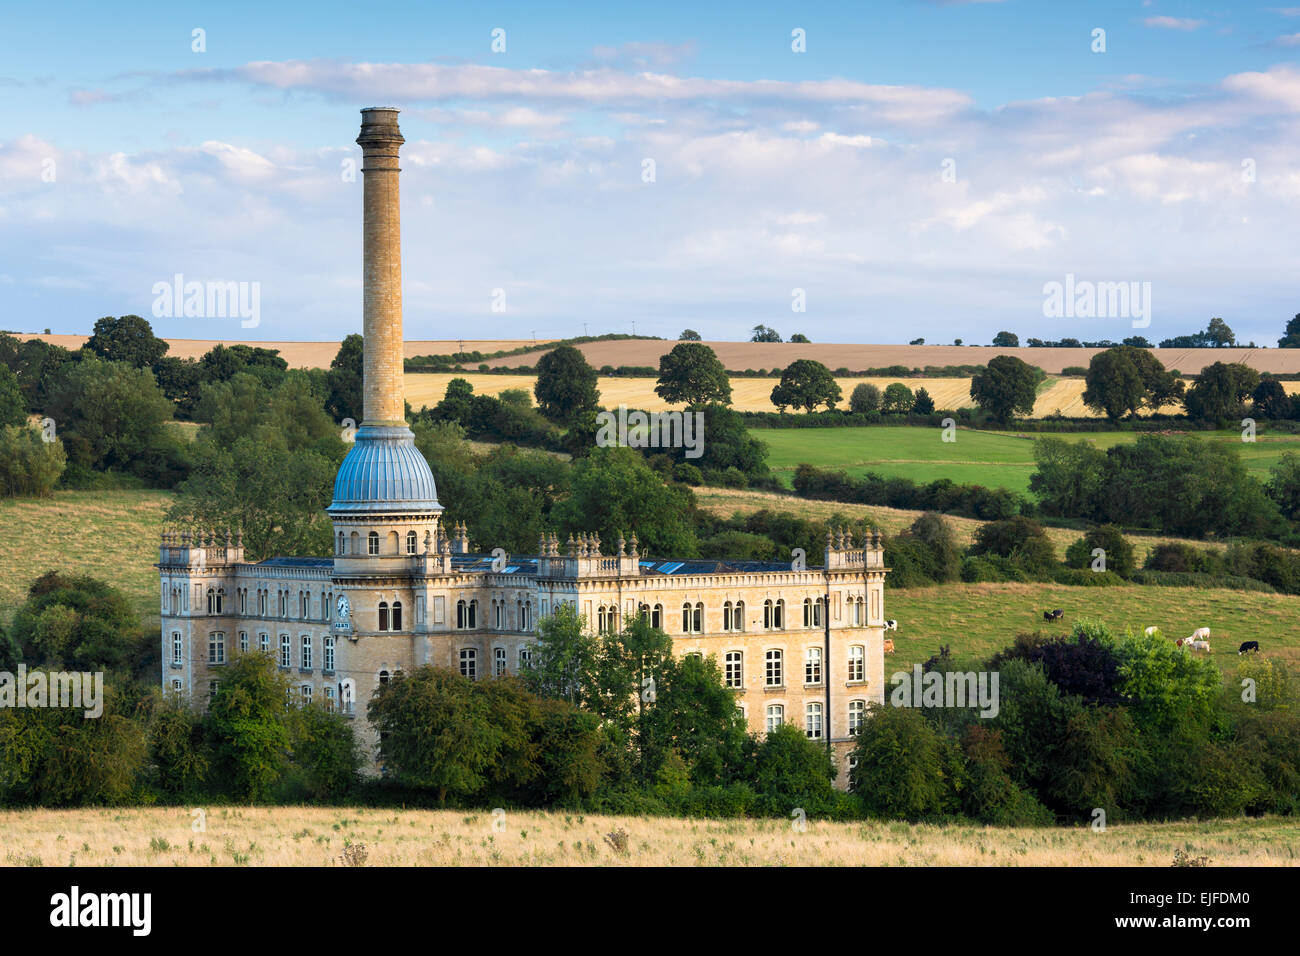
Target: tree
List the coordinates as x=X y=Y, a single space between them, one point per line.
x=30 y=466
x=806 y=384
x=129 y=339
x=1138 y=341
x=566 y=386
x=1019 y=539
x=344 y=381
x=924 y=404
x=689 y=335
x=1005 y=386
x=614 y=492
x=905 y=767
x=1291 y=336
x=75 y=622
x=435 y=731
x=1284 y=485
x=1219 y=334
x=248 y=721
x=1114 y=383
x=13 y=407
x=1006 y=340
x=865 y=398
x=564 y=657
x=1220 y=392
x=1117 y=551
x=917 y=342
x=761 y=333
x=110 y=416
x=1167 y=684
x=1271 y=400
x=897 y=400
x=800 y=338
x=692 y=374
x=792 y=772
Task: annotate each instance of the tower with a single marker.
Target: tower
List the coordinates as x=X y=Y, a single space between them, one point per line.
x=385 y=505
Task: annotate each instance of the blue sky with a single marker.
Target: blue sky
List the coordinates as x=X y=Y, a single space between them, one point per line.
x=126 y=157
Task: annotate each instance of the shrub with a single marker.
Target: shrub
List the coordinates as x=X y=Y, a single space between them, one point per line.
x=29 y=465
x=865 y=398
x=1117 y=552
x=1020 y=540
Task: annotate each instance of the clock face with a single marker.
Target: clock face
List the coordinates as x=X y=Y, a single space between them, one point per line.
x=343 y=606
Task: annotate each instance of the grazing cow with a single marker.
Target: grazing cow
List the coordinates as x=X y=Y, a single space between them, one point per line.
x=1248 y=646
x=889 y=645
x=1201 y=634
x=1151 y=631
x=1181 y=641
x=1201 y=646
x=1053 y=615
x=891 y=625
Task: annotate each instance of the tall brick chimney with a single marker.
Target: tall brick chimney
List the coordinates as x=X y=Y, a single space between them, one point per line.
x=380 y=140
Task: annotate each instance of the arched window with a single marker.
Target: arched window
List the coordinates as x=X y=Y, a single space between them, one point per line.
x=498 y=614
x=466 y=614
x=525 y=615
x=383 y=677
x=338 y=549
x=411 y=542
x=397 y=616
x=812 y=612
x=774 y=614
x=306 y=651
x=726 y=616
x=212 y=601
x=372 y=543
x=383 y=615
x=356 y=543
x=686 y=618
x=697 y=619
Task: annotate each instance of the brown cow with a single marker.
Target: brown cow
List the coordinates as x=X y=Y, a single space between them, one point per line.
x=889 y=646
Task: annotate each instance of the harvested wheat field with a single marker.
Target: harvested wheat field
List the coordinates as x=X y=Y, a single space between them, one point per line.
x=341 y=836
x=305 y=354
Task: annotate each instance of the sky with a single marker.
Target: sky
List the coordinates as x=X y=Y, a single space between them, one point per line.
x=858 y=172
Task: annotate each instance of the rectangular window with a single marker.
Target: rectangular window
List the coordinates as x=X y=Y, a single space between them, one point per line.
x=306 y=693
x=328 y=693
x=469 y=663
x=306 y=650
x=178 y=648
x=329 y=655
x=243 y=642
x=525 y=657
x=212 y=687
x=500 y=661
x=857 y=714
x=775 y=717
x=812 y=721
x=857 y=664
x=177 y=686
x=774 y=675
x=812 y=666
x=734 y=669
x=286 y=651
x=216 y=648
x=264 y=643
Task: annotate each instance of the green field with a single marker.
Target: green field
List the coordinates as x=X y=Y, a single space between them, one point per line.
x=977 y=620
x=992 y=459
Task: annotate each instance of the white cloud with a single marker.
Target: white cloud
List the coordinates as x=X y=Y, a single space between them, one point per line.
x=1174 y=23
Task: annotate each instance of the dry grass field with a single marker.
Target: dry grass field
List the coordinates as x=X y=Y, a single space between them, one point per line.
x=1063 y=395
x=317 y=836
x=750 y=355
x=304 y=354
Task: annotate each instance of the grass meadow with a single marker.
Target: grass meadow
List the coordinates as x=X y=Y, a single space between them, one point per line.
x=992 y=459
x=317 y=836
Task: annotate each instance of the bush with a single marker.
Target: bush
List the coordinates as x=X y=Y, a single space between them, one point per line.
x=1118 y=553
x=29 y=465
x=1021 y=541
x=905 y=767
x=865 y=398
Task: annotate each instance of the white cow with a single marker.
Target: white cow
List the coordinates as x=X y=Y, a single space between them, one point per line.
x=1201 y=646
x=1200 y=634
x=1151 y=631
x=891 y=625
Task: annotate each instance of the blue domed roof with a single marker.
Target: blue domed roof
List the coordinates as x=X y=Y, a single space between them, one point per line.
x=384 y=471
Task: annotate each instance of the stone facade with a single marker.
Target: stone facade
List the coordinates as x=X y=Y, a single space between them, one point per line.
x=802 y=645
